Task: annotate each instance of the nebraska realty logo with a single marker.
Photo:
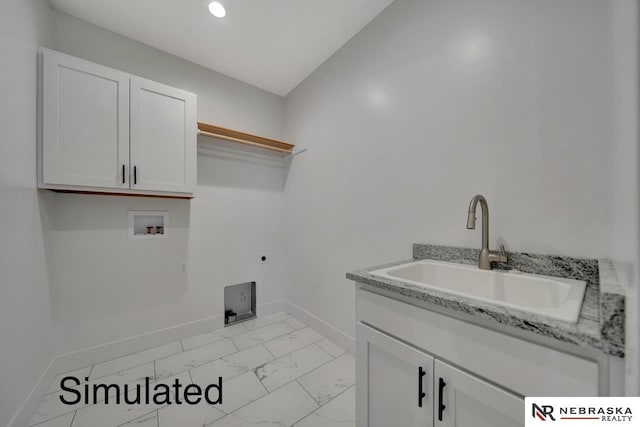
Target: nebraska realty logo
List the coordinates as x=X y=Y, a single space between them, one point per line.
x=581 y=411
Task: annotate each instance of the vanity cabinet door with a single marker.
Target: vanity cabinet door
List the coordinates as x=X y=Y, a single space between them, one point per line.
x=163 y=137
x=394 y=382
x=85 y=124
x=463 y=400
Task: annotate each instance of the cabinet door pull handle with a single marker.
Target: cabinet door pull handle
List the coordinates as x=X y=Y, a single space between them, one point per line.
x=421 y=394
x=135 y=174
x=441 y=406
x=123 y=177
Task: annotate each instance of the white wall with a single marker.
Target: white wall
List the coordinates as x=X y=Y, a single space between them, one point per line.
x=431 y=103
x=25 y=316
x=626 y=215
x=106 y=287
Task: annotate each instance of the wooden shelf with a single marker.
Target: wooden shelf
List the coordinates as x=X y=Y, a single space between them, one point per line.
x=244 y=138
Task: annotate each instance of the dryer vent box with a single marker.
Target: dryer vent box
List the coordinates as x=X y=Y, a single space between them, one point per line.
x=239 y=302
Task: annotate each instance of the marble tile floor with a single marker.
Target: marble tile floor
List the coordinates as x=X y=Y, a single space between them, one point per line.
x=276 y=372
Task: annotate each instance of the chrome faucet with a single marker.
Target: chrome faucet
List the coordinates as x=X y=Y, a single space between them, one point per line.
x=486 y=255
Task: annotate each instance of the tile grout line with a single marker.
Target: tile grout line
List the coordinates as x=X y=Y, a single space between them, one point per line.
x=322 y=406
x=222 y=338
x=158 y=346
x=138 y=417
x=125 y=385
x=270 y=339
x=260 y=343
x=281 y=321
x=276 y=389
x=304 y=346
x=134 y=366
x=267 y=324
x=53 y=418
x=59 y=415
x=291 y=352
x=108 y=375
x=338 y=395
x=312 y=399
x=156 y=379
x=260 y=381
x=239 y=350
x=295 y=379
x=308 y=394
x=289 y=333
x=269 y=351
x=191 y=366
x=250 y=402
x=254 y=400
x=237 y=375
x=136 y=352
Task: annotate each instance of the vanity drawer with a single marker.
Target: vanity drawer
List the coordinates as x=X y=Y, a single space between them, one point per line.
x=526 y=368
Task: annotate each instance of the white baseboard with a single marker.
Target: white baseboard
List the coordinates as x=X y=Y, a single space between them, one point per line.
x=334 y=334
x=112 y=350
x=103 y=352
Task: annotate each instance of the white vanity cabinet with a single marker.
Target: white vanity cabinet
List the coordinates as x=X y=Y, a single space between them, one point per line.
x=405 y=386
x=473 y=376
x=107 y=131
x=463 y=400
x=397 y=378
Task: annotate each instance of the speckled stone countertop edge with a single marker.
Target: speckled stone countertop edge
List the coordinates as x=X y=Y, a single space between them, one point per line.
x=612 y=303
x=592 y=330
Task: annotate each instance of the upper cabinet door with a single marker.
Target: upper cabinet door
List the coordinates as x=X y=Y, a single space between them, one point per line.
x=85 y=119
x=463 y=400
x=163 y=137
x=394 y=382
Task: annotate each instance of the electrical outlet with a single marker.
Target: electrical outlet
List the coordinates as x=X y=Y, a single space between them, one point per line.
x=183 y=267
x=263 y=258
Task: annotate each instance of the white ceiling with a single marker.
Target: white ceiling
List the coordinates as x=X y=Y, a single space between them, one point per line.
x=271 y=44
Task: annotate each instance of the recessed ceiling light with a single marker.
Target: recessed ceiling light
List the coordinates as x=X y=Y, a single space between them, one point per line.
x=217 y=9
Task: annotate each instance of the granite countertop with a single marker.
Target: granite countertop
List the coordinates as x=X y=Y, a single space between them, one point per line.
x=602 y=317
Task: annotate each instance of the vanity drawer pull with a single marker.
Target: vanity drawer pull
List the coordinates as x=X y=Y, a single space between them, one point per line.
x=441 y=406
x=421 y=394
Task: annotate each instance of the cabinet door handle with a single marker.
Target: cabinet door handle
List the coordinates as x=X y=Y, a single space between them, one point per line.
x=421 y=394
x=441 y=406
x=135 y=175
x=123 y=176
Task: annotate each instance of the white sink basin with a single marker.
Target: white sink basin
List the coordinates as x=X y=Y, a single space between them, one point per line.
x=552 y=297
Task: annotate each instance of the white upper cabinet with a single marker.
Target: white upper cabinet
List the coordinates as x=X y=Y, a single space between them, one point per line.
x=85 y=126
x=163 y=126
x=107 y=131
